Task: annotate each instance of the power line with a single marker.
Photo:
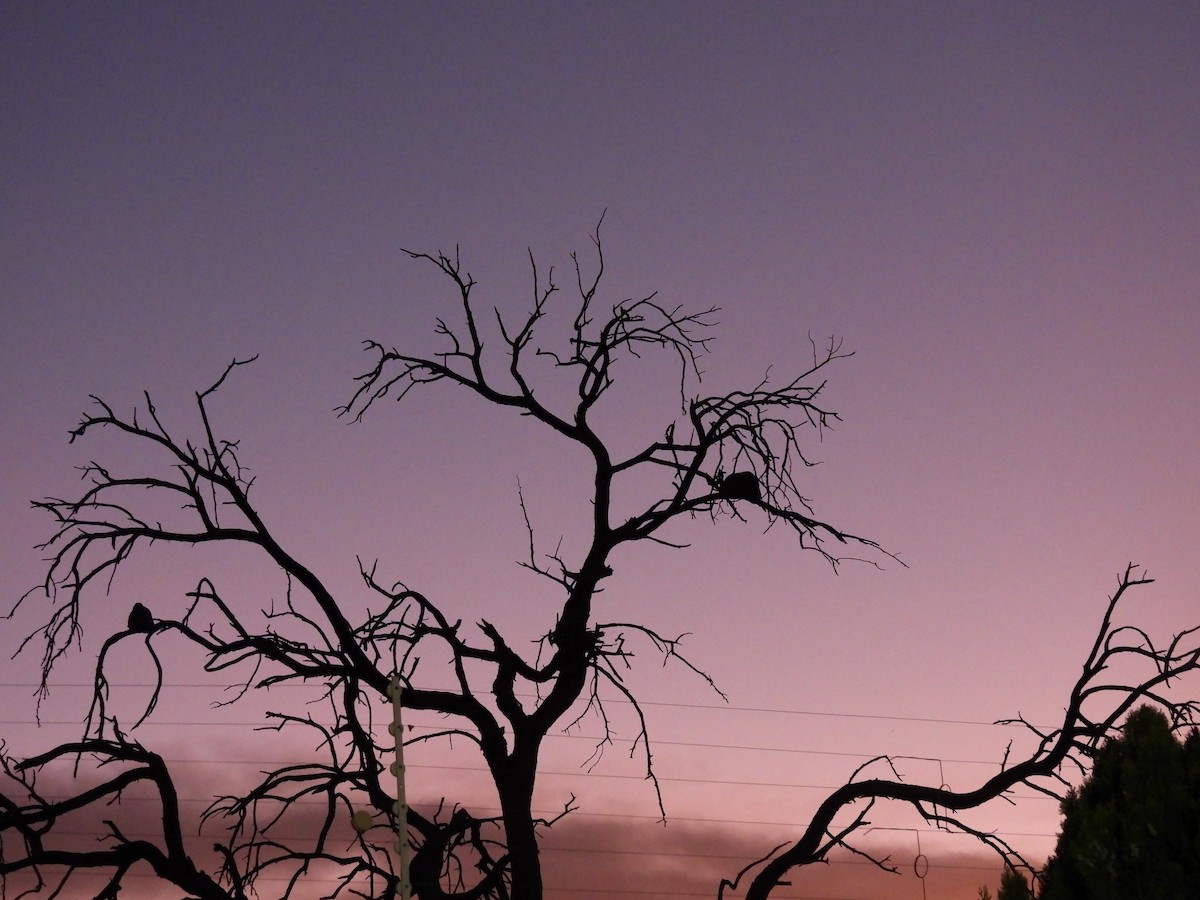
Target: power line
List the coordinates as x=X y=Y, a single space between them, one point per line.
x=928 y=720
x=593 y=814
x=664 y=742
x=669 y=779
x=549 y=847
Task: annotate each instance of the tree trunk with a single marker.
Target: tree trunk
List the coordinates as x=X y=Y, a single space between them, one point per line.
x=515 y=784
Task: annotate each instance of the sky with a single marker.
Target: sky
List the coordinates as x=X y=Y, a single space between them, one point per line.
x=995 y=206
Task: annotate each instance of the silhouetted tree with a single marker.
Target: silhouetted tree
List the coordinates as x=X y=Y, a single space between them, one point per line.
x=757 y=431
x=502 y=702
x=1132 y=829
x=1013 y=886
x=1095 y=706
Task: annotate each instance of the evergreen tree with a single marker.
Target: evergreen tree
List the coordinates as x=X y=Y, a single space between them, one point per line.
x=1132 y=829
x=1013 y=886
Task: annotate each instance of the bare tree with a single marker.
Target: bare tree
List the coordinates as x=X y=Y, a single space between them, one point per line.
x=1150 y=672
x=731 y=451
x=734 y=452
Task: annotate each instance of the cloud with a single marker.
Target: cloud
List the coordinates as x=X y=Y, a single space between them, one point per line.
x=584 y=856
x=639 y=860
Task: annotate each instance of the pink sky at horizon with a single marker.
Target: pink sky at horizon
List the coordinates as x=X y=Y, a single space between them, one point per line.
x=997 y=207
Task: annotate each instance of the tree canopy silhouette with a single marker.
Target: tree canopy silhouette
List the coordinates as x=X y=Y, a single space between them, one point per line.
x=1132 y=829
x=1013 y=886
x=501 y=701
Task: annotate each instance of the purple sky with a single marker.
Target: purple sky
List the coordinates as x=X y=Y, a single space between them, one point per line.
x=996 y=206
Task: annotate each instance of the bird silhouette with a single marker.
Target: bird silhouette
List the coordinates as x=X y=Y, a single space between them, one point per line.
x=740 y=486
x=140 y=618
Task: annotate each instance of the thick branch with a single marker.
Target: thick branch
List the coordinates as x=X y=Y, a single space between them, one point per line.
x=1074 y=741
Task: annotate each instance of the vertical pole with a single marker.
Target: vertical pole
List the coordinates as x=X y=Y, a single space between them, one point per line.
x=401 y=808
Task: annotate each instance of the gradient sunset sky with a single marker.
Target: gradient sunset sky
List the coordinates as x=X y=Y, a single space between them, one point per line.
x=996 y=206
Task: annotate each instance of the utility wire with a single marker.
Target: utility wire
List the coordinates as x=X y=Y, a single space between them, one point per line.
x=664 y=742
x=648 y=703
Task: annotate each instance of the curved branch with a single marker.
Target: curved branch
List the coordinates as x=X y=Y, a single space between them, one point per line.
x=34 y=821
x=1073 y=741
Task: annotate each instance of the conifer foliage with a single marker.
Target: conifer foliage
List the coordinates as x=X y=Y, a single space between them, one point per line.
x=1132 y=829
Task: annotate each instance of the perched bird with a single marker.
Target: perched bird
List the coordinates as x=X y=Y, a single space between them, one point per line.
x=740 y=486
x=140 y=618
